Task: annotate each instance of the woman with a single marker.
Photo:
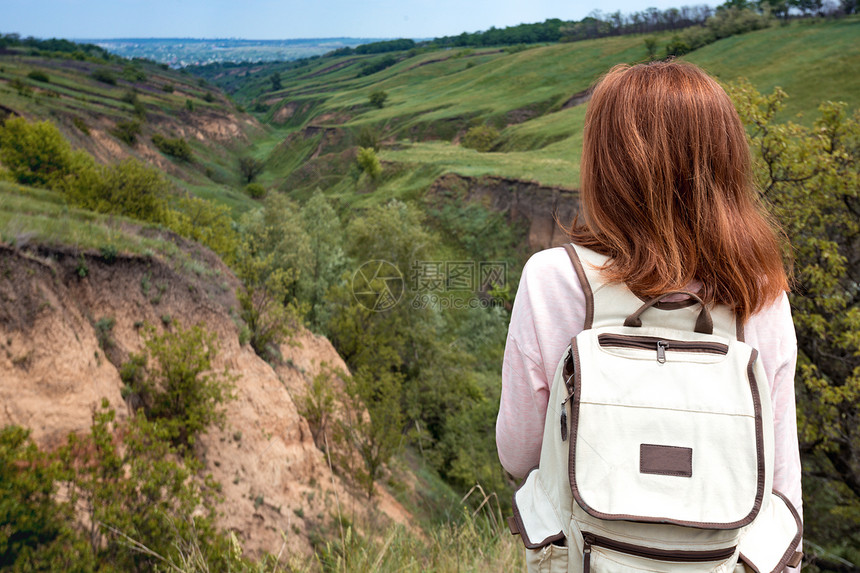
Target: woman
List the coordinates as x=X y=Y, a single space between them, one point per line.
x=667 y=195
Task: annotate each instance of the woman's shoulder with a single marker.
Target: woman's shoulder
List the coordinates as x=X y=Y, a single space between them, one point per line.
x=554 y=260
x=549 y=275
x=771 y=330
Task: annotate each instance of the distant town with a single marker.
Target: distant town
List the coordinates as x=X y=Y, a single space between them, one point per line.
x=181 y=52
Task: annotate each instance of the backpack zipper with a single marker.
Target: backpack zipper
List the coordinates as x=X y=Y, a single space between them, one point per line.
x=590 y=540
x=661 y=345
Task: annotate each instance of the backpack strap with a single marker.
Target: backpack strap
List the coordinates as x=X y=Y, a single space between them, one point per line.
x=609 y=304
x=583 y=280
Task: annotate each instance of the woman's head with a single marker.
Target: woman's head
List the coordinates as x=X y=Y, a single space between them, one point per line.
x=667 y=192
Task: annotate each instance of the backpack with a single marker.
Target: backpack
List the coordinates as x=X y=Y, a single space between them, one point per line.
x=657 y=450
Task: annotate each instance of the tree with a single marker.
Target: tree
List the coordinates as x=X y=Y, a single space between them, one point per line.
x=316 y=405
x=273 y=256
x=250 y=168
x=812 y=179
x=325 y=239
x=372 y=420
x=651 y=47
x=275 y=78
x=378 y=98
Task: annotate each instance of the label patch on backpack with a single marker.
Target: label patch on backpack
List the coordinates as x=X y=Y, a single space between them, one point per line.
x=665 y=460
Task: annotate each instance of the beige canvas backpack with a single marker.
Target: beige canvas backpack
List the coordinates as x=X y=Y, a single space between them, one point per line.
x=658 y=447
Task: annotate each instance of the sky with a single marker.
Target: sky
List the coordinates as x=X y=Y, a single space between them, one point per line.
x=287 y=19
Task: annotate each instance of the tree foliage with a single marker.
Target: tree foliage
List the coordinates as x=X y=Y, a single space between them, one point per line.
x=36 y=532
x=378 y=98
x=811 y=177
x=480 y=138
x=175 y=147
x=372 y=421
x=35 y=153
x=173 y=382
x=250 y=168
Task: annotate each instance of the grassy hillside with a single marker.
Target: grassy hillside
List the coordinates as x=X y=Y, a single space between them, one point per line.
x=117 y=109
x=529 y=95
x=811 y=61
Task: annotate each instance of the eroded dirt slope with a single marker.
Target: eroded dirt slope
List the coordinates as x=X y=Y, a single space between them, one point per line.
x=54 y=372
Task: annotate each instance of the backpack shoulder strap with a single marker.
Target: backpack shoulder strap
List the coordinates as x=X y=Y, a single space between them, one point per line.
x=609 y=304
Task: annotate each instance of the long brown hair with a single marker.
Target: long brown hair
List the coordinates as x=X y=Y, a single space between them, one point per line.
x=667 y=189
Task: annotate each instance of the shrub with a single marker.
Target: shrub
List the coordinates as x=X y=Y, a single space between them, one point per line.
x=127 y=131
x=378 y=98
x=179 y=386
x=205 y=222
x=480 y=138
x=37 y=532
x=81 y=125
x=104 y=75
x=39 y=76
x=368 y=162
x=189 y=104
x=129 y=188
x=255 y=190
x=376 y=66
x=368 y=137
x=167 y=88
x=176 y=147
x=35 y=153
x=133 y=73
x=208 y=97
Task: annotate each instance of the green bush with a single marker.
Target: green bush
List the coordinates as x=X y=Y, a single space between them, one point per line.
x=127 y=131
x=133 y=73
x=255 y=190
x=175 y=383
x=480 y=138
x=37 y=532
x=368 y=137
x=39 y=76
x=35 y=153
x=377 y=98
x=167 y=88
x=104 y=75
x=130 y=188
x=368 y=162
x=205 y=222
x=175 y=147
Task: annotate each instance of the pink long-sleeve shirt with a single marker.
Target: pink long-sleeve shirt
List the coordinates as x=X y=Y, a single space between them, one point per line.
x=550 y=309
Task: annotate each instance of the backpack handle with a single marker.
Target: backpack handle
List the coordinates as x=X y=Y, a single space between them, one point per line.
x=704 y=323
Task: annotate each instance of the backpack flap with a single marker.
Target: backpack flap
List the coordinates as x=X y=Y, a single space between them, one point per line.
x=666 y=428
x=535 y=518
x=772 y=541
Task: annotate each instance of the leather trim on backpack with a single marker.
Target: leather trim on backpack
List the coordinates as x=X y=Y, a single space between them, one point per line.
x=517 y=527
x=586 y=286
x=760 y=458
x=791 y=557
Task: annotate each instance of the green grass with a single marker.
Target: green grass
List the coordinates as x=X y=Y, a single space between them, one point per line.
x=435 y=96
x=811 y=61
x=42 y=216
